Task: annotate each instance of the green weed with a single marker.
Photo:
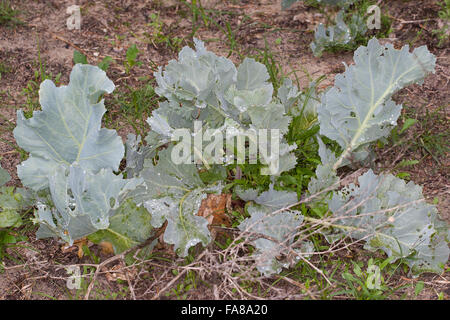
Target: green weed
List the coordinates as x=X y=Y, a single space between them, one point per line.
x=8 y=15
x=443 y=34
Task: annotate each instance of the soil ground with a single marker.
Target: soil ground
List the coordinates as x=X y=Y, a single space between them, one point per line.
x=109 y=27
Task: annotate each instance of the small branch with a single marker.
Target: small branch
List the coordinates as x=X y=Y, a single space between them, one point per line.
x=410 y=21
x=69 y=43
x=9 y=152
x=120 y=256
x=130 y=285
x=99 y=267
x=156 y=296
x=298 y=284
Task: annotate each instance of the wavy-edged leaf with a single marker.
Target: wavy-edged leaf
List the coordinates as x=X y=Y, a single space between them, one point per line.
x=325 y=175
x=222 y=98
x=338 y=34
x=274 y=233
x=68 y=129
x=358 y=110
x=272 y=199
x=391 y=215
x=83 y=202
x=288 y=94
x=197 y=77
x=175 y=193
x=129 y=226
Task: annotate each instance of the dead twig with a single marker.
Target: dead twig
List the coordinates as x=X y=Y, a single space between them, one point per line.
x=69 y=43
x=120 y=256
x=156 y=296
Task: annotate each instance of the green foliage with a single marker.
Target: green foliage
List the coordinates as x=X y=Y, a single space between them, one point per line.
x=10 y=203
x=8 y=16
x=72 y=161
x=349 y=29
x=285 y=4
x=131 y=56
x=158 y=35
x=105 y=63
x=443 y=34
x=135 y=104
x=10 y=206
x=129 y=226
x=367 y=283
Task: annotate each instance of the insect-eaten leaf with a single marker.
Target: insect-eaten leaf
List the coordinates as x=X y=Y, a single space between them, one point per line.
x=392 y=215
x=129 y=226
x=174 y=194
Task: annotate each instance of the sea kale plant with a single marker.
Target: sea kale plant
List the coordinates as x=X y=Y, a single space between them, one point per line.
x=349 y=29
x=80 y=190
x=10 y=203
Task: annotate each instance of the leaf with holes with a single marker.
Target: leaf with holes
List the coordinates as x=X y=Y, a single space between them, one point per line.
x=82 y=202
x=392 y=215
x=175 y=193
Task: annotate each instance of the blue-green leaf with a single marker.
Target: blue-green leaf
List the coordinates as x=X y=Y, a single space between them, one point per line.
x=358 y=110
x=392 y=215
x=68 y=129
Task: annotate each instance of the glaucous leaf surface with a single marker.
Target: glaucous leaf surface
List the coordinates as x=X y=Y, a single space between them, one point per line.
x=222 y=96
x=272 y=228
x=274 y=233
x=392 y=215
x=359 y=110
x=272 y=199
x=338 y=34
x=4 y=176
x=174 y=194
x=325 y=175
x=68 y=129
x=129 y=226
